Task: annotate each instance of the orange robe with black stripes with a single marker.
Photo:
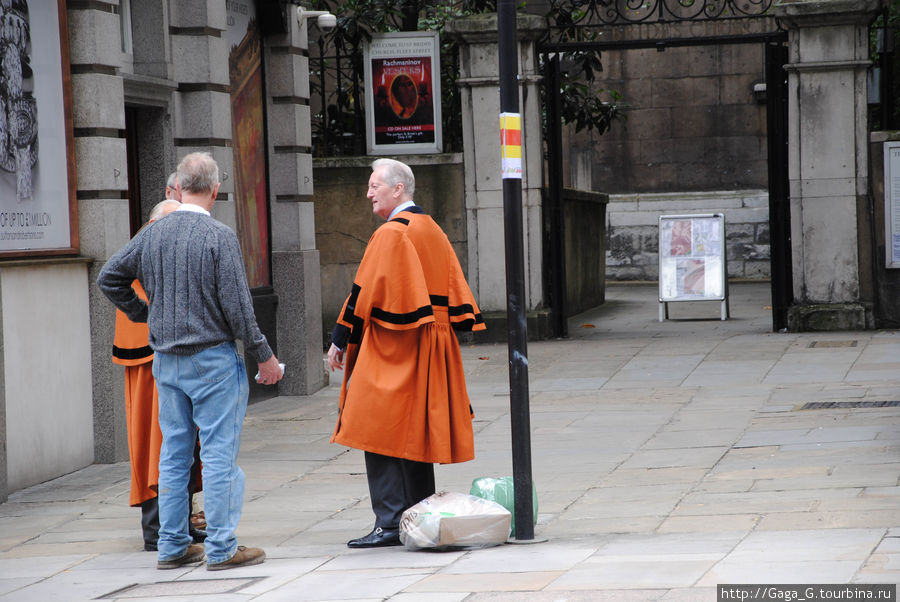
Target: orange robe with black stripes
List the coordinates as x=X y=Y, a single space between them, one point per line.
x=131 y=348
x=404 y=391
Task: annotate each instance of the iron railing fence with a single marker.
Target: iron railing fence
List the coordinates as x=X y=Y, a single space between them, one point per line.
x=338 y=115
x=337 y=100
x=591 y=13
x=336 y=69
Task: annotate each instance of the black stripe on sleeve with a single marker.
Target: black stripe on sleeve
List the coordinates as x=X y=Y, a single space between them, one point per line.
x=132 y=354
x=351 y=318
x=468 y=324
x=407 y=318
x=461 y=310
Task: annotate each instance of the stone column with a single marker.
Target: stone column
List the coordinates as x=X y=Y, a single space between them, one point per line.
x=479 y=81
x=202 y=102
x=99 y=122
x=829 y=59
x=295 y=259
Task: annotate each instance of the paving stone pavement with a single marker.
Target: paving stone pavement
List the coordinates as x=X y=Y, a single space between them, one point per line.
x=668 y=457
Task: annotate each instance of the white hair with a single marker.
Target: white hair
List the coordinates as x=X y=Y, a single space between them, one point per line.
x=162 y=208
x=198 y=173
x=395 y=172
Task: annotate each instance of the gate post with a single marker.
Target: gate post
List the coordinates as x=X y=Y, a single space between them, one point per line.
x=828 y=159
x=479 y=80
x=295 y=258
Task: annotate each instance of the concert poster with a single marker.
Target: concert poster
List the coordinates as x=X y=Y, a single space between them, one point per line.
x=403 y=93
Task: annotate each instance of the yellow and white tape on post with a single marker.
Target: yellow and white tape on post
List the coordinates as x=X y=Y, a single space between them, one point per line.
x=511 y=145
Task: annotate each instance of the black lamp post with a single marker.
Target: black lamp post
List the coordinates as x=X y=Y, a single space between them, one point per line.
x=515 y=270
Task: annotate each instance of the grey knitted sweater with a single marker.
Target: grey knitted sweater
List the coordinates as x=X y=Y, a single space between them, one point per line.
x=190 y=266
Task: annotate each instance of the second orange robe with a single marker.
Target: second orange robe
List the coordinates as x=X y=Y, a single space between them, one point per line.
x=131 y=349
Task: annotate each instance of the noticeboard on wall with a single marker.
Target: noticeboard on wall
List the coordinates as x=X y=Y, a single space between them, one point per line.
x=403 y=93
x=892 y=203
x=692 y=258
x=38 y=213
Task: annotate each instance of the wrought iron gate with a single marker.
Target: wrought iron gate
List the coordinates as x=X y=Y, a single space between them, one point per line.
x=576 y=25
x=779 y=201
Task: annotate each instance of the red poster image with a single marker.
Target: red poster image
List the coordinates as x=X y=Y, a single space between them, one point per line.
x=693 y=276
x=404 y=100
x=681 y=238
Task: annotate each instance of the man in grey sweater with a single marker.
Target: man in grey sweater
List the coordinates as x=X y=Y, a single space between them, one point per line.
x=199 y=303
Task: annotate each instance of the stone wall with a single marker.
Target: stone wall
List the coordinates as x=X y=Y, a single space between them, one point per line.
x=632 y=236
x=45 y=370
x=691 y=119
x=585 y=244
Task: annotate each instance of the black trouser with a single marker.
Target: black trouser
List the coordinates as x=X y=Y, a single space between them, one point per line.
x=396 y=484
x=150 y=520
x=150 y=507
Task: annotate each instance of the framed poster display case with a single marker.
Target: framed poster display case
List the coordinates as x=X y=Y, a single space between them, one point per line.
x=403 y=93
x=692 y=262
x=892 y=204
x=38 y=214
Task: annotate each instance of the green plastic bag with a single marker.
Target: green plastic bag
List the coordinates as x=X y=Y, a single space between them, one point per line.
x=500 y=490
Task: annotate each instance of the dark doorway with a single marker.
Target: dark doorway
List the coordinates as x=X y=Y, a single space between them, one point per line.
x=145 y=131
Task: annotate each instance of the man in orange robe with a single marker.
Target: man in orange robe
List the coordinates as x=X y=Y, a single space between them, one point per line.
x=403 y=400
x=131 y=348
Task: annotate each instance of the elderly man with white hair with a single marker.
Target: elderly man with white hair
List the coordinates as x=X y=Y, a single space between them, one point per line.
x=403 y=400
x=199 y=304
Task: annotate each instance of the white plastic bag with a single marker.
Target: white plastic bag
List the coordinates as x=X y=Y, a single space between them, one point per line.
x=449 y=519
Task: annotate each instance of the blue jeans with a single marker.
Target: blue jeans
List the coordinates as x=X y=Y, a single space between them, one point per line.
x=206 y=391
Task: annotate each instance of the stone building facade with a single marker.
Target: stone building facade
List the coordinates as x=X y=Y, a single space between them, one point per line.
x=153 y=80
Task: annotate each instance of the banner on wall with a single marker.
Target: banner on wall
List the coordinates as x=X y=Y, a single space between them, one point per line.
x=248 y=136
x=37 y=179
x=403 y=93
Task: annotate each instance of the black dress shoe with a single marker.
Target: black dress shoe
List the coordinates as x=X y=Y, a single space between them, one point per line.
x=198 y=535
x=378 y=538
x=150 y=546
